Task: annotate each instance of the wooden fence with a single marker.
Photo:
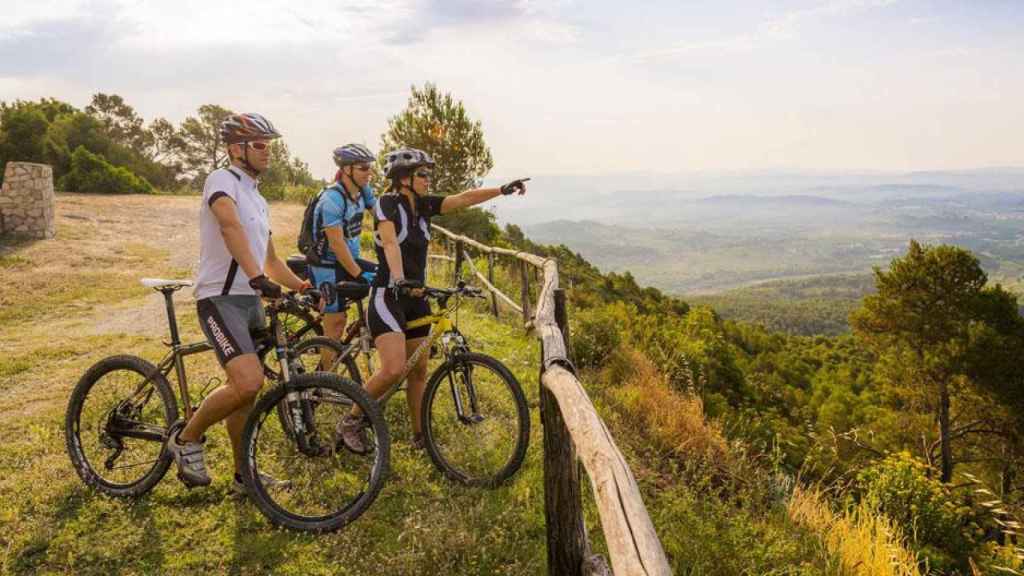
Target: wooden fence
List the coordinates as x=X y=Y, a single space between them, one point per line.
x=573 y=433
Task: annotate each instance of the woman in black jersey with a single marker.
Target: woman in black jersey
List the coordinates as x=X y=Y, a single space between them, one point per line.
x=402 y=235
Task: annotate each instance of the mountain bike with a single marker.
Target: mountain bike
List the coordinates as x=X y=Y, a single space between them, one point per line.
x=123 y=409
x=476 y=423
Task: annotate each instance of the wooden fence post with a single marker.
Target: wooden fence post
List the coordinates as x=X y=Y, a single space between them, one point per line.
x=490 y=278
x=563 y=510
x=460 y=255
x=524 y=274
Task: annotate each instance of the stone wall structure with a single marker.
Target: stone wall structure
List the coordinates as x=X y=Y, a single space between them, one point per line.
x=26 y=200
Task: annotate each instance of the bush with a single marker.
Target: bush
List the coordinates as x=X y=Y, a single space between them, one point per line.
x=940 y=526
x=595 y=335
x=91 y=173
x=21 y=136
x=300 y=193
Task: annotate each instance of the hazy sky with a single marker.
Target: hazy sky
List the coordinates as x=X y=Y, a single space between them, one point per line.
x=563 y=86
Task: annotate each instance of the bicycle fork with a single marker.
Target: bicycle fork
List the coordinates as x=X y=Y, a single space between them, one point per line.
x=466 y=372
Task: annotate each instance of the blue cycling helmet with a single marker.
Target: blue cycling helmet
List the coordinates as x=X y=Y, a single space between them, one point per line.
x=353 y=154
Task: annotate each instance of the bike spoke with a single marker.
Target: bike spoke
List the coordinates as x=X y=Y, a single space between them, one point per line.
x=324 y=482
x=474 y=423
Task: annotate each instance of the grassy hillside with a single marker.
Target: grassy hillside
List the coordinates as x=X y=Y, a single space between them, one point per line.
x=66 y=303
x=719 y=507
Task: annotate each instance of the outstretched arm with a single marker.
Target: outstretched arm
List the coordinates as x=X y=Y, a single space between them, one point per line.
x=479 y=195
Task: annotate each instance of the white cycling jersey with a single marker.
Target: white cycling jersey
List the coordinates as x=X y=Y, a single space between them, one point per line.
x=218 y=273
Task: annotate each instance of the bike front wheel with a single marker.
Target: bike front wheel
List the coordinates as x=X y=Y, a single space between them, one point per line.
x=116 y=423
x=476 y=423
x=321 y=489
x=317 y=354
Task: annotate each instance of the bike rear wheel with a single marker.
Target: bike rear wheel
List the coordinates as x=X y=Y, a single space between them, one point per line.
x=116 y=423
x=325 y=489
x=310 y=352
x=476 y=423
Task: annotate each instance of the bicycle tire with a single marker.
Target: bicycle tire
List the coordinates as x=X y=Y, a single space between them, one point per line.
x=433 y=430
x=73 y=429
x=281 y=459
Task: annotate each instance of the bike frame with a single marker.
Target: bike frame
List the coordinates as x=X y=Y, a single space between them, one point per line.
x=175 y=360
x=442 y=325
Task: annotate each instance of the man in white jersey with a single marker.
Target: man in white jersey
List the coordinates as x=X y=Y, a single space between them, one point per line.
x=236 y=258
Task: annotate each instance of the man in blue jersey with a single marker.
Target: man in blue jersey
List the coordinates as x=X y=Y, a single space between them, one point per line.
x=337 y=225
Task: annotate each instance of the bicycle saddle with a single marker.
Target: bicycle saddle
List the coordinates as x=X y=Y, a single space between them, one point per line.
x=160 y=283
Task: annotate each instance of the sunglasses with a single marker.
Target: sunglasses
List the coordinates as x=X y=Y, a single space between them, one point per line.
x=425 y=175
x=362 y=167
x=258 y=144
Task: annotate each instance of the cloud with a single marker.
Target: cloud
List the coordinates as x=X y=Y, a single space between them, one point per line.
x=741 y=43
x=789 y=23
x=783 y=26
x=64 y=46
x=539 y=20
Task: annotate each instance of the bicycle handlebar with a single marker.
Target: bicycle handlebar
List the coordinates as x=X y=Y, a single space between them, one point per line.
x=306 y=299
x=462 y=290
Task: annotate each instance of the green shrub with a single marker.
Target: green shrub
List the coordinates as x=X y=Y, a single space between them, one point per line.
x=93 y=174
x=941 y=527
x=299 y=193
x=595 y=335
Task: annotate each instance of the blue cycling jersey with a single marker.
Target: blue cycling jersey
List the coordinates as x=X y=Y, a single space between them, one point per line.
x=337 y=208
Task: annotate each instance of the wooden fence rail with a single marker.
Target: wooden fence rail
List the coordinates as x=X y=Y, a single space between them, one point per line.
x=573 y=433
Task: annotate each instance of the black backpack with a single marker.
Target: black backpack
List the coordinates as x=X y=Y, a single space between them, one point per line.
x=310 y=247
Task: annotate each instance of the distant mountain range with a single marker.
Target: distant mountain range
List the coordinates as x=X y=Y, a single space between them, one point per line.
x=688 y=242
x=641 y=198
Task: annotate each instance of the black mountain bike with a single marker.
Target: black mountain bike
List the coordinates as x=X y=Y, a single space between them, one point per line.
x=123 y=409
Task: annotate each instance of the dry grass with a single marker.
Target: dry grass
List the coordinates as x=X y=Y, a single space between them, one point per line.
x=673 y=420
x=862 y=542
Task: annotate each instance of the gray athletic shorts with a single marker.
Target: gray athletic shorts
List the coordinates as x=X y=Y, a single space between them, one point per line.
x=229 y=321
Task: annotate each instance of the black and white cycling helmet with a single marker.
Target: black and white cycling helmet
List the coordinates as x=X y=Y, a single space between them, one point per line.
x=353 y=154
x=402 y=161
x=247 y=127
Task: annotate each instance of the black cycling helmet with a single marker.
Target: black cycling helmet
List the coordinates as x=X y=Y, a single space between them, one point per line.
x=400 y=162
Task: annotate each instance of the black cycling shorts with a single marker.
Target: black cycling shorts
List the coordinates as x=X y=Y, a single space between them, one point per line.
x=390 y=313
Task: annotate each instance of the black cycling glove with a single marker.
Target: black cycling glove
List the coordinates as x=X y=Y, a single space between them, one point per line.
x=405 y=287
x=514 y=187
x=267 y=289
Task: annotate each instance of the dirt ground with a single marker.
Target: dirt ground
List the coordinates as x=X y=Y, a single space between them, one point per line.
x=56 y=294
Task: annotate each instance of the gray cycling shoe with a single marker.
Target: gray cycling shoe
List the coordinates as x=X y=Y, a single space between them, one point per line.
x=351 y=433
x=238 y=487
x=189 y=457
